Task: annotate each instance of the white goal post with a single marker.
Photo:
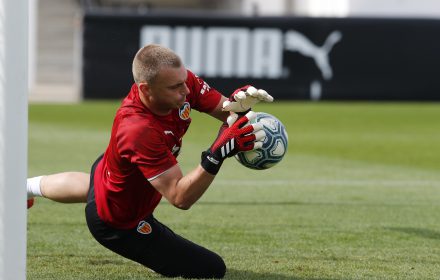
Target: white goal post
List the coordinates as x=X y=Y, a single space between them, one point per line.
x=13 y=137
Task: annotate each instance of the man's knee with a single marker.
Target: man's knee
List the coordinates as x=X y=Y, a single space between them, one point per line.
x=220 y=269
x=214 y=267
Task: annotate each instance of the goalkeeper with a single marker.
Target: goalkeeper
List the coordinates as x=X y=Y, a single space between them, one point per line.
x=139 y=166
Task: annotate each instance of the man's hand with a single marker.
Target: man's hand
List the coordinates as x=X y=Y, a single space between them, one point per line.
x=242 y=99
x=235 y=135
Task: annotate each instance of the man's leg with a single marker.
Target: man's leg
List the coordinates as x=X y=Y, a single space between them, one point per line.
x=155 y=246
x=67 y=187
x=177 y=256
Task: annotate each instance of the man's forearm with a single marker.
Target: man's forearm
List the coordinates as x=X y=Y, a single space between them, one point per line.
x=192 y=186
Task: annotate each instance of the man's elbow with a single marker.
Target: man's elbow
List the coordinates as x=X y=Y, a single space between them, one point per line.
x=183 y=204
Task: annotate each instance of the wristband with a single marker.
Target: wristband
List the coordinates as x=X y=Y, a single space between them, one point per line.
x=210 y=163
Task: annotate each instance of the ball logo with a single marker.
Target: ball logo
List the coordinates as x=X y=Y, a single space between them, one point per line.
x=144 y=227
x=184 y=111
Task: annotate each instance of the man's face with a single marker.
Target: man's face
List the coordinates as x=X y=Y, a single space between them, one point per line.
x=168 y=90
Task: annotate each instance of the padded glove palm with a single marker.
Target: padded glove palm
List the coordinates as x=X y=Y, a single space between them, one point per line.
x=242 y=99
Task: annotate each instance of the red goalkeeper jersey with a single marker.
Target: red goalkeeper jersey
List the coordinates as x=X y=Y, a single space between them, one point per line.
x=143 y=146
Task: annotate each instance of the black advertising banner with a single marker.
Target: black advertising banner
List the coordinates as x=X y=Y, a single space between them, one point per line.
x=292 y=58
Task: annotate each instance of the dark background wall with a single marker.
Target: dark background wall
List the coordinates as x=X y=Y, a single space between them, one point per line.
x=292 y=58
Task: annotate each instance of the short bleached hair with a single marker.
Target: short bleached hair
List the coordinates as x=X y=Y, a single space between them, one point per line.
x=150 y=59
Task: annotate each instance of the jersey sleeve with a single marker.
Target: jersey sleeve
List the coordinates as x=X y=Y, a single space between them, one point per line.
x=146 y=148
x=203 y=97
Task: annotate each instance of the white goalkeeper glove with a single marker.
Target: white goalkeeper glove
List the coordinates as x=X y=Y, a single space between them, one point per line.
x=242 y=99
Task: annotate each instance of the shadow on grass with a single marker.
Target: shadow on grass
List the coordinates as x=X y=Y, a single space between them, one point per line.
x=251 y=275
x=425 y=233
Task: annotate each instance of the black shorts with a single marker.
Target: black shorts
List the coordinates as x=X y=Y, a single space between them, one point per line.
x=154 y=245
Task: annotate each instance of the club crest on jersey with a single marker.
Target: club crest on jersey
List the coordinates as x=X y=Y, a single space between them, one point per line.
x=184 y=111
x=144 y=227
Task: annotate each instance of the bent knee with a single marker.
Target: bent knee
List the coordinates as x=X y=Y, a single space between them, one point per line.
x=214 y=268
x=220 y=269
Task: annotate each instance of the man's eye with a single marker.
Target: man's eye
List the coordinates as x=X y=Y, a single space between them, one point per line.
x=176 y=86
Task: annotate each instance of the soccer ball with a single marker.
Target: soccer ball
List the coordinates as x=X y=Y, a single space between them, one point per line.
x=274 y=144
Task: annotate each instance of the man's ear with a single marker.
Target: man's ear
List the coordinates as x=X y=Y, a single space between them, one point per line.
x=144 y=88
x=144 y=92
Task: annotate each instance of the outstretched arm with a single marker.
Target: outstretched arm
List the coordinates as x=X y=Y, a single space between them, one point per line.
x=235 y=136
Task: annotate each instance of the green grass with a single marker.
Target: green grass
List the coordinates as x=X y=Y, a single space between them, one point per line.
x=356 y=197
